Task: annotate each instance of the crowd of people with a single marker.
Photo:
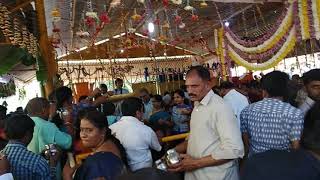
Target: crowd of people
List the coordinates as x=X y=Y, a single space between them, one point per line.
x=265 y=129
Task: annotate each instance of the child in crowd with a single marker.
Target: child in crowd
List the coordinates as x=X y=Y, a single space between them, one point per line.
x=180 y=113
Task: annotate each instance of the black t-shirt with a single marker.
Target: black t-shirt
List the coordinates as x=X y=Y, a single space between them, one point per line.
x=282 y=165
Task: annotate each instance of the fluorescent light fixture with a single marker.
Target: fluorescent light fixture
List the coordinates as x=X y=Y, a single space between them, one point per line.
x=119 y=35
x=81 y=49
x=63 y=55
x=102 y=41
x=116 y=36
x=150 y=27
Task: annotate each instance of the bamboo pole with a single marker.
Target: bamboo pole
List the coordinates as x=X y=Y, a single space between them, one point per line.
x=45 y=47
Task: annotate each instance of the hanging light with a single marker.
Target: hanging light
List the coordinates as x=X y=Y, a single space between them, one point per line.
x=226 y=24
x=150 y=27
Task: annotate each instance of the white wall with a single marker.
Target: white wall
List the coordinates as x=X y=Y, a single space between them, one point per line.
x=32 y=90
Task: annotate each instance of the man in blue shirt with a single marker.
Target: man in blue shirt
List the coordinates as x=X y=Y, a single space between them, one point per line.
x=25 y=165
x=271 y=123
x=294 y=165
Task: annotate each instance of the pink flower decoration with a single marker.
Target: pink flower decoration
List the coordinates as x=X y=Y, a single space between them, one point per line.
x=104 y=18
x=157 y=21
x=90 y=21
x=178 y=19
x=165 y=3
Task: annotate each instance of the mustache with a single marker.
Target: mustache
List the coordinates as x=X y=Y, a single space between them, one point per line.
x=191 y=94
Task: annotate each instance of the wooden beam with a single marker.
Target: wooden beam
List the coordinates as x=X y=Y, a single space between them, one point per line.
x=45 y=47
x=22 y=5
x=5 y=43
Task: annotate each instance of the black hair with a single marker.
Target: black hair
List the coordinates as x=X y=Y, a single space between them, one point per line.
x=275 y=83
x=99 y=121
x=82 y=98
x=119 y=80
x=226 y=85
x=103 y=86
x=36 y=106
x=202 y=72
x=18 y=125
x=131 y=105
x=108 y=108
x=311 y=131
x=158 y=98
x=3 y=112
x=62 y=94
x=312 y=75
x=180 y=93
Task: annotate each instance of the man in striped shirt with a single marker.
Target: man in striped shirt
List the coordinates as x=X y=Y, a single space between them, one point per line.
x=25 y=164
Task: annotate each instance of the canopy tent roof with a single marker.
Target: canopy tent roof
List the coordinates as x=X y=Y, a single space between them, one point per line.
x=210 y=17
x=247 y=18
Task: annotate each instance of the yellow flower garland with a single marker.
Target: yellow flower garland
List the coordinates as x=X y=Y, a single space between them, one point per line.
x=318 y=10
x=304 y=19
x=280 y=33
x=221 y=50
x=280 y=57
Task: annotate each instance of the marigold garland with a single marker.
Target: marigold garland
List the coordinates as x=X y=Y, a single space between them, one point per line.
x=280 y=55
x=316 y=17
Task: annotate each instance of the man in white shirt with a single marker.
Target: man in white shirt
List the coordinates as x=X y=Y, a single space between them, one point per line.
x=214 y=143
x=311 y=80
x=136 y=137
x=233 y=98
x=148 y=107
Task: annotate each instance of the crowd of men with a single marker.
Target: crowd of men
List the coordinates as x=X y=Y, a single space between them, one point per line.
x=266 y=129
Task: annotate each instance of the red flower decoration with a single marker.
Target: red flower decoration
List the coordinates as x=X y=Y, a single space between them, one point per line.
x=157 y=21
x=55 y=29
x=165 y=3
x=178 y=19
x=194 y=17
x=104 y=18
x=90 y=21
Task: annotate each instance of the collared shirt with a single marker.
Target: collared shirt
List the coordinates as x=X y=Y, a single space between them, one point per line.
x=7 y=176
x=213 y=132
x=237 y=102
x=26 y=165
x=137 y=139
x=181 y=121
x=307 y=105
x=271 y=124
x=148 y=107
x=46 y=132
x=120 y=91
